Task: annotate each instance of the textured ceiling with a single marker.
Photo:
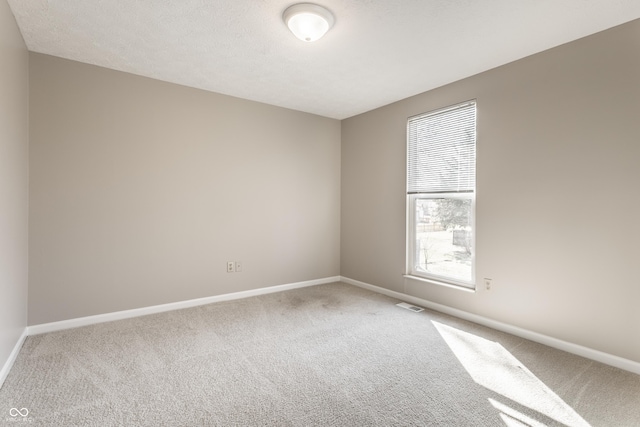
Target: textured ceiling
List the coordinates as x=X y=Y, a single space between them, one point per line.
x=378 y=52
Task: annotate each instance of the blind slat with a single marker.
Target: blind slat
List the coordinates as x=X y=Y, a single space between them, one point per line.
x=442 y=150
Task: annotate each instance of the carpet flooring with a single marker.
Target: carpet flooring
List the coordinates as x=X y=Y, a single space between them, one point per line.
x=327 y=355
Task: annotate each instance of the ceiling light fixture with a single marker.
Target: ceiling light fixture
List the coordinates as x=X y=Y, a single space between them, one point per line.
x=308 y=21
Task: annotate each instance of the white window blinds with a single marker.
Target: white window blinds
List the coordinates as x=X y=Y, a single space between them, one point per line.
x=442 y=151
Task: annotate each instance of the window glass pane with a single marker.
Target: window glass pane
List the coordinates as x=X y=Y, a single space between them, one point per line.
x=443 y=238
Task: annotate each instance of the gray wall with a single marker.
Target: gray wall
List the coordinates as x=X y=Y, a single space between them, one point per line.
x=14 y=182
x=142 y=190
x=558 y=206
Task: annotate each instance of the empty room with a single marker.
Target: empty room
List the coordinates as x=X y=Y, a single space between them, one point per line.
x=268 y=213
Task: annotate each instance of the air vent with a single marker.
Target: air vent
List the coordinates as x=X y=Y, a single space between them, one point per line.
x=410 y=307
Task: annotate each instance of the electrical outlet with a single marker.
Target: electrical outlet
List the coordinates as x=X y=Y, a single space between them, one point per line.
x=238 y=266
x=231 y=266
x=487 y=284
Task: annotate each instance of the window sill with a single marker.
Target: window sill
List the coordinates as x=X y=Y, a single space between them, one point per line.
x=439 y=283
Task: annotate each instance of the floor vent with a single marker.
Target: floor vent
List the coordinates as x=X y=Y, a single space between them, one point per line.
x=410 y=307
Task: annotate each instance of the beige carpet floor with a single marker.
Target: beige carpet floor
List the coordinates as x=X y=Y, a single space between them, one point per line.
x=328 y=355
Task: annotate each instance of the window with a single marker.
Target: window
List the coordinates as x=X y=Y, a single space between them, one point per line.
x=441 y=181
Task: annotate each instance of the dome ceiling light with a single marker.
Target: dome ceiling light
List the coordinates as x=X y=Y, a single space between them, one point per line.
x=308 y=21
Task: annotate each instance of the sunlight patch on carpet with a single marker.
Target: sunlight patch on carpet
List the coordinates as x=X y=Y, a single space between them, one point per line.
x=493 y=367
x=514 y=418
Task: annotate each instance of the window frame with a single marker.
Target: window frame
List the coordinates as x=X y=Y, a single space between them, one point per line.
x=411 y=235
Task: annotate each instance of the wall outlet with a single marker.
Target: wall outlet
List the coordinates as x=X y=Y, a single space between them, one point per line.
x=231 y=266
x=487 y=284
x=238 y=266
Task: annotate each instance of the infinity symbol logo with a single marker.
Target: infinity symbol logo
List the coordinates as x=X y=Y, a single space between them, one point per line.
x=14 y=412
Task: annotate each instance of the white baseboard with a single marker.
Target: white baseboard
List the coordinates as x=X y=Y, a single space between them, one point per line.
x=127 y=314
x=12 y=357
x=589 y=353
x=579 y=350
